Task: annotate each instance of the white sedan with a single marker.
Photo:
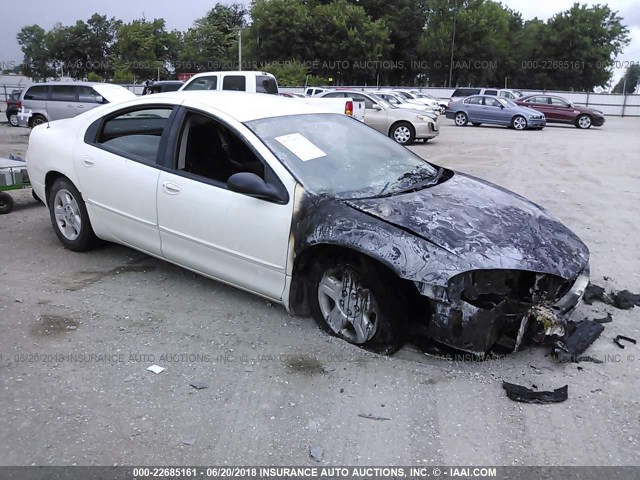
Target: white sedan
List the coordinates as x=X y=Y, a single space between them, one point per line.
x=311 y=209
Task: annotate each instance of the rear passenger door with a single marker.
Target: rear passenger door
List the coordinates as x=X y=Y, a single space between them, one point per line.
x=121 y=150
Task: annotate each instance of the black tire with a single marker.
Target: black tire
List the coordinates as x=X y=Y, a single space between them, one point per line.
x=519 y=122
x=13 y=119
x=6 y=203
x=403 y=133
x=37 y=120
x=376 y=287
x=584 y=121
x=36 y=197
x=461 y=119
x=79 y=236
x=476 y=124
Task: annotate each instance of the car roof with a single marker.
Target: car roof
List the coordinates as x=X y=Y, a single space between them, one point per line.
x=242 y=106
x=73 y=84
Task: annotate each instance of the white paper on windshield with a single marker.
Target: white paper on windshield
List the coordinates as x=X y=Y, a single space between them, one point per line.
x=300 y=146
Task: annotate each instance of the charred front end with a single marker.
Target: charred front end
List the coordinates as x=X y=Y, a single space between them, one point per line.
x=483 y=307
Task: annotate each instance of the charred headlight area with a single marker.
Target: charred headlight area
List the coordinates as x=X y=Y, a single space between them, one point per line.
x=486 y=289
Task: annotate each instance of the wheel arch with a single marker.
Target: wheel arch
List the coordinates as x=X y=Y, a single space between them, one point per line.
x=49 y=180
x=398 y=122
x=305 y=260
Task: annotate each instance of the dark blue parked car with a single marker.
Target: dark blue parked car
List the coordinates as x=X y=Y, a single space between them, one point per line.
x=479 y=109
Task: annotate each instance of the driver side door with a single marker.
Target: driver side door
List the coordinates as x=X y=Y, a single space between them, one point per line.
x=204 y=226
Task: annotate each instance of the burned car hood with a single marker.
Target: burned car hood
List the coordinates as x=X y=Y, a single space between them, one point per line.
x=484 y=225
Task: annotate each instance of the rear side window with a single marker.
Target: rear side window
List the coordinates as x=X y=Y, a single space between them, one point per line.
x=135 y=133
x=89 y=95
x=235 y=82
x=507 y=95
x=541 y=100
x=473 y=101
x=63 y=93
x=491 y=92
x=36 y=93
x=266 y=84
x=203 y=83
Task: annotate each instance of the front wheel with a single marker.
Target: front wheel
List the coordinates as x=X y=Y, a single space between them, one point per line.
x=69 y=216
x=519 y=122
x=6 y=203
x=403 y=133
x=583 y=122
x=357 y=301
x=461 y=119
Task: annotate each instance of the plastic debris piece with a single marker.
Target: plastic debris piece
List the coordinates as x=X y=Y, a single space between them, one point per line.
x=626 y=339
x=522 y=394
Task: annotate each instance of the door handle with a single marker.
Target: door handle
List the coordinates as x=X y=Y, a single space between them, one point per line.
x=88 y=161
x=171 y=188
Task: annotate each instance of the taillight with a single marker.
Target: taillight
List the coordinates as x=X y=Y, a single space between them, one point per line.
x=19 y=104
x=348 y=109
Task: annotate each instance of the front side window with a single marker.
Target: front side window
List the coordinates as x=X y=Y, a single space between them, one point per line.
x=89 y=95
x=491 y=102
x=36 y=93
x=211 y=150
x=203 y=83
x=135 y=133
x=235 y=83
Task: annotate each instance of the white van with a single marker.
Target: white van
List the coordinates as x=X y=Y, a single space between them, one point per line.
x=253 y=82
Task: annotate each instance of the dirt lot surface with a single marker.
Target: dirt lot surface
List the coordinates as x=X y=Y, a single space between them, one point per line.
x=79 y=330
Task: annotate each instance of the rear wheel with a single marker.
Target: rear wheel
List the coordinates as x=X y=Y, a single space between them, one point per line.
x=583 y=122
x=13 y=119
x=69 y=216
x=38 y=120
x=461 y=119
x=358 y=301
x=519 y=122
x=6 y=203
x=403 y=133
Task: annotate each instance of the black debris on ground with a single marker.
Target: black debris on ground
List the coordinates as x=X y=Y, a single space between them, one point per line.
x=577 y=341
x=623 y=300
x=626 y=339
x=369 y=416
x=199 y=386
x=518 y=393
x=607 y=319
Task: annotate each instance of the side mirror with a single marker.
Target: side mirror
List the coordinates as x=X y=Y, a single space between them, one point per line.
x=501 y=106
x=251 y=184
x=375 y=106
x=100 y=99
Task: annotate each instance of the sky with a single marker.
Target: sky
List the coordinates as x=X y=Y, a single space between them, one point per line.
x=181 y=14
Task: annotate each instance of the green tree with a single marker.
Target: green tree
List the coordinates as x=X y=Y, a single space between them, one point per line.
x=213 y=40
x=31 y=39
x=593 y=35
x=350 y=45
x=281 y=30
x=629 y=81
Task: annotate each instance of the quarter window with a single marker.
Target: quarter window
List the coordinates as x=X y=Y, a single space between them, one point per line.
x=136 y=133
x=36 y=93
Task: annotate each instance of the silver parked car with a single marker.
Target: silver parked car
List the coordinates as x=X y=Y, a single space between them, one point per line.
x=399 y=101
x=404 y=126
x=45 y=102
x=479 y=109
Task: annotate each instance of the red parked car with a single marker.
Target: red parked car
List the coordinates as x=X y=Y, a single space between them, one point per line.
x=560 y=110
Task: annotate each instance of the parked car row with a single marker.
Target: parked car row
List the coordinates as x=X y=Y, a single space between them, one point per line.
x=534 y=111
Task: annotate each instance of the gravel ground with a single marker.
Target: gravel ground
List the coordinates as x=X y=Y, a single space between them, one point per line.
x=79 y=330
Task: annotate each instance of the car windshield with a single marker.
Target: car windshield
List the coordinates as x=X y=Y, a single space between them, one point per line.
x=336 y=155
